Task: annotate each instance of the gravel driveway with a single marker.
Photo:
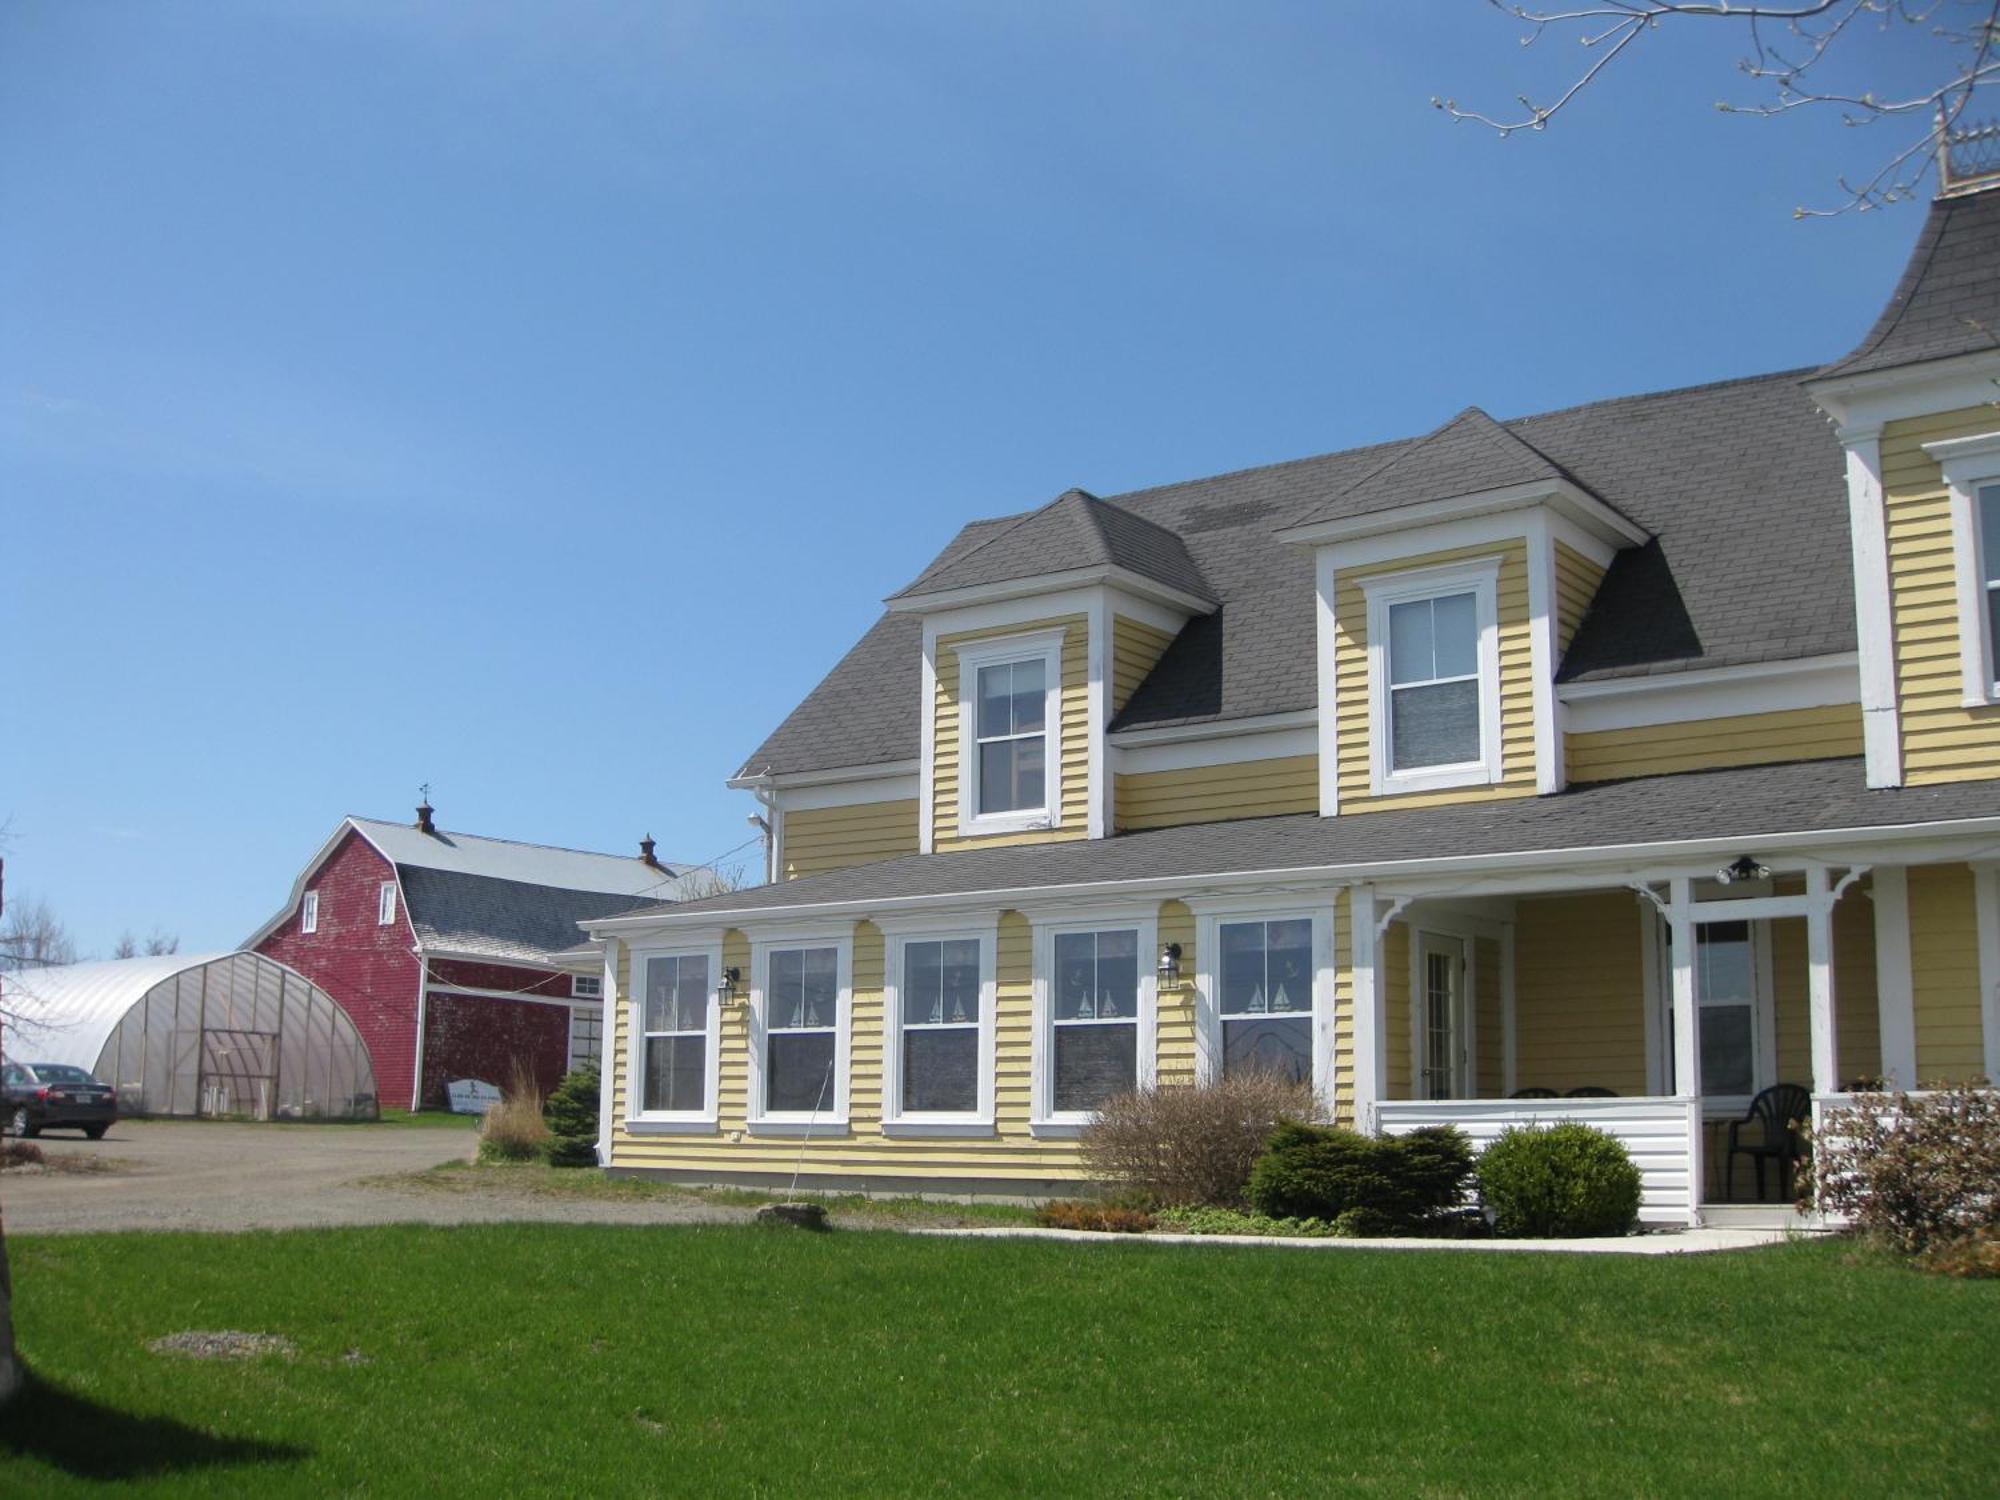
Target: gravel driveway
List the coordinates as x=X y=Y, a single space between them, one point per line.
x=185 y=1174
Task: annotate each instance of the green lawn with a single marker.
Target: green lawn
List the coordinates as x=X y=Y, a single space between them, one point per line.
x=558 y=1360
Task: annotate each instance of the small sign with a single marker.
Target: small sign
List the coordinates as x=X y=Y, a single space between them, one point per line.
x=471 y=1097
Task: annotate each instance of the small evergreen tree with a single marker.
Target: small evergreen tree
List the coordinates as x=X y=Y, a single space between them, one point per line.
x=572 y=1115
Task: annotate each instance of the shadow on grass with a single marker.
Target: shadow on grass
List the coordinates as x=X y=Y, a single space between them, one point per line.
x=92 y=1441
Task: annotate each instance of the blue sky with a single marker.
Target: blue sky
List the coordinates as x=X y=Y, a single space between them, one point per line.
x=536 y=400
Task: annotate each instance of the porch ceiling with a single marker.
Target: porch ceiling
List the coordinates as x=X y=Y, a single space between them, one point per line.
x=1743 y=806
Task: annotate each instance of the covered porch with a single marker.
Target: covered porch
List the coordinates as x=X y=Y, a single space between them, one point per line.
x=1660 y=1006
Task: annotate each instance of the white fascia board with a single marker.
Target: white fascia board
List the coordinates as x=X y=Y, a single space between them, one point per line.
x=1714 y=693
x=1862 y=401
x=1185 y=755
x=1124 y=579
x=790 y=780
x=902 y=787
x=1578 y=506
x=1217 y=729
x=1483 y=874
x=1170 y=618
x=1444 y=536
x=999 y=614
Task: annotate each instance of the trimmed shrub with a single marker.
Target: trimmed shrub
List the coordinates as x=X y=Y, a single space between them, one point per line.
x=1563 y=1181
x=1394 y=1181
x=1235 y=1221
x=571 y=1113
x=1187 y=1144
x=1912 y=1170
x=1077 y=1213
x=513 y=1129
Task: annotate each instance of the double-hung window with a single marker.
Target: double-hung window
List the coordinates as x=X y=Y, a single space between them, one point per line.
x=1096 y=1013
x=677 y=1034
x=1434 y=677
x=938 y=1047
x=1010 y=755
x=799 y=1032
x=1726 y=993
x=1264 y=997
x=1972 y=474
x=309 y=913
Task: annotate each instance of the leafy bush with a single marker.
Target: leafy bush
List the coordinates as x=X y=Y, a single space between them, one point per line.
x=1235 y=1221
x=1184 y=1144
x=571 y=1113
x=1076 y=1213
x=1912 y=1170
x=513 y=1129
x=1562 y=1181
x=1320 y=1172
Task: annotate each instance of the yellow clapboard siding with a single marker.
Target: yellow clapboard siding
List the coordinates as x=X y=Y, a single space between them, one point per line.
x=1174 y=1060
x=1703 y=744
x=1944 y=974
x=1343 y=1009
x=1579 y=993
x=948 y=774
x=1943 y=740
x=1857 y=1026
x=1488 y=1028
x=1517 y=726
x=1136 y=649
x=1577 y=578
x=832 y=838
x=1393 y=975
x=1210 y=794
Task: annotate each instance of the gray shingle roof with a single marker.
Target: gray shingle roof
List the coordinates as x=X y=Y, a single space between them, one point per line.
x=1468 y=455
x=1948 y=300
x=1741 y=484
x=1074 y=530
x=1740 y=804
x=502 y=919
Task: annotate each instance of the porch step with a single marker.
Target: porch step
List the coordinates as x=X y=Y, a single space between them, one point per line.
x=1755 y=1216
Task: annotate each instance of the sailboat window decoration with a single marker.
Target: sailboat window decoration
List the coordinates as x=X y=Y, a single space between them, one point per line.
x=1094 y=1043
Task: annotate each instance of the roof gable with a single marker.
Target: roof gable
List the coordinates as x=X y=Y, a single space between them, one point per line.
x=1469 y=455
x=1075 y=530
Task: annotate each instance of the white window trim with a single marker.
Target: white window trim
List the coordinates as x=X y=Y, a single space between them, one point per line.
x=1481 y=579
x=1043 y=1118
x=670 y=1121
x=309 y=912
x=1969 y=463
x=831 y=1121
x=385 y=903
x=1763 y=1021
x=1210 y=915
x=1047 y=645
x=569 y=1057
x=1465 y=1066
x=577 y=990
x=895 y=1119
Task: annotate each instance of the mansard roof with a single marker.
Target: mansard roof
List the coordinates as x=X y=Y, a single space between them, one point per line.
x=1948 y=300
x=1076 y=530
x=1740 y=484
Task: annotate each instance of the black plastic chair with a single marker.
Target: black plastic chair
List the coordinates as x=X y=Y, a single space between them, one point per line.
x=1781 y=1110
x=1591 y=1091
x=1534 y=1094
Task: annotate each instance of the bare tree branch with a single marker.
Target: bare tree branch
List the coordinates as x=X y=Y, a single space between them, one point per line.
x=1969 y=49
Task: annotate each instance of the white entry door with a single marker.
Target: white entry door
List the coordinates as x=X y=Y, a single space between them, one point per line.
x=1442 y=1056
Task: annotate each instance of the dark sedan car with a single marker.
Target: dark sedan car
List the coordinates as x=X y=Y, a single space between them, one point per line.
x=55 y=1096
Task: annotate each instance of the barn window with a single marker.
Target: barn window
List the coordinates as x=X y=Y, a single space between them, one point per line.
x=385 y=904
x=309 y=913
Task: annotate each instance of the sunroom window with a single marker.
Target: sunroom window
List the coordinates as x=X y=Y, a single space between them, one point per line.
x=1011 y=731
x=1266 y=999
x=801 y=1029
x=1094 y=1018
x=940 y=1026
x=674 y=1032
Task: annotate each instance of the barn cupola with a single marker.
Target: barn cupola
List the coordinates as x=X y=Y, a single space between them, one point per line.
x=424 y=811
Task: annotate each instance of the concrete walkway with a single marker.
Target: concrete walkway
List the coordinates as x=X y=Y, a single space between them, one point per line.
x=1669 y=1242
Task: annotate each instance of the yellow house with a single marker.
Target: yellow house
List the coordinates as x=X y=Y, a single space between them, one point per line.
x=1620 y=763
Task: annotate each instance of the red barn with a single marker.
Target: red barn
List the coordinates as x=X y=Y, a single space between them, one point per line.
x=443 y=948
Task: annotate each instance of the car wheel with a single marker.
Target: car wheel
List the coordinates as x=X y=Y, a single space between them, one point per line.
x=95 y=1132
x=17 y=1123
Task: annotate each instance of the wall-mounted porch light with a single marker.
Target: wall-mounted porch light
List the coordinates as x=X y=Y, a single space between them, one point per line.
x=1170 y=966
x=1743 y=867
x=730 y=989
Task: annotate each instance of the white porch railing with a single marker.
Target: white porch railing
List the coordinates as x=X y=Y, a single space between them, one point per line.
x=1662 y=1136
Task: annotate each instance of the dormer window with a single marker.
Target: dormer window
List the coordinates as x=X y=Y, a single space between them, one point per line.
x=1010 y=712
x=1972 y=474
x=1434 y=678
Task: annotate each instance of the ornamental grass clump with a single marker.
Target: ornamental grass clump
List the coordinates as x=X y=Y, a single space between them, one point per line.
x=513 y=1129
x=1185 y=1144
x=1389 y=1183
x=1915 y=1171
x=1562 y=1181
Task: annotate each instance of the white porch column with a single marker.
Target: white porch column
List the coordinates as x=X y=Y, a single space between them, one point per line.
x=1819 y=981
x=1680 y=928
x=1895 y=993
x=1371 y=1062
